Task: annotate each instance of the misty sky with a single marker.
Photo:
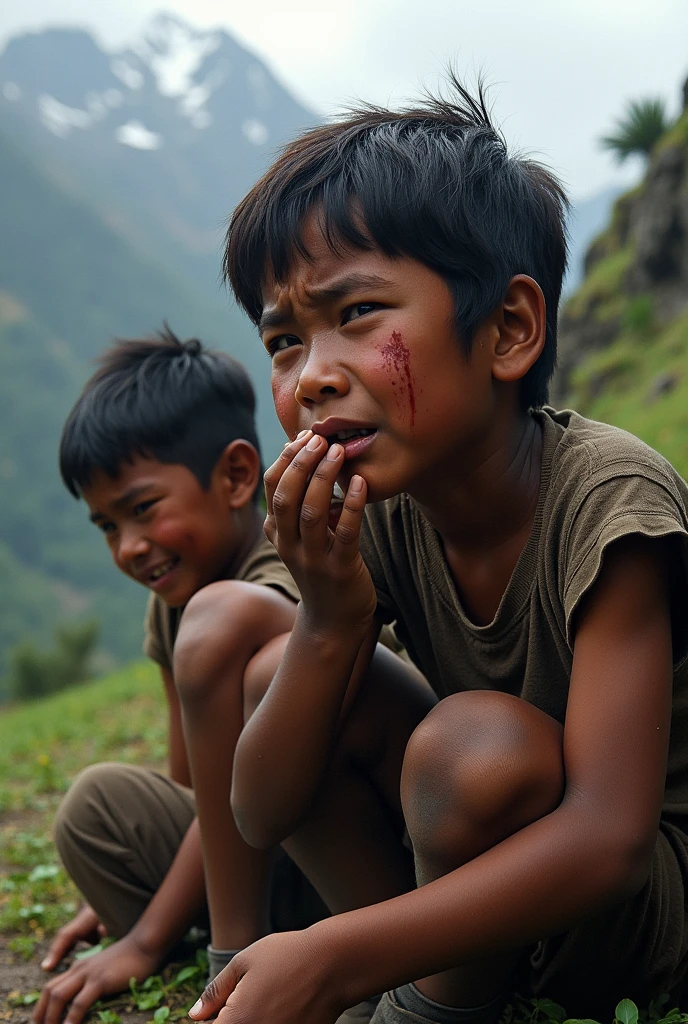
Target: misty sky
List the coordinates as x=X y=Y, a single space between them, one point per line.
x=562 y=69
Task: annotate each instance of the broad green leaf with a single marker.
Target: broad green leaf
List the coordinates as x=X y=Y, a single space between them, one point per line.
x=627 y=1012
x=150 y=1000
x=550 y=1010
x=86 y=953
x=31 y=998
x=161 y=1014
x=186 y=973
x=109 y=1017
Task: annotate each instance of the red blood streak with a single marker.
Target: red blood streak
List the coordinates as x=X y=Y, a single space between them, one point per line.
x=398 y=359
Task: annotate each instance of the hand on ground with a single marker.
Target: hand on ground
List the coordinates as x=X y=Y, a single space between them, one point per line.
x=282 y=979
x=85 y=927
x=102 y=974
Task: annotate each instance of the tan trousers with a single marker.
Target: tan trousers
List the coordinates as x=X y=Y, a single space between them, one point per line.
x=118 y=830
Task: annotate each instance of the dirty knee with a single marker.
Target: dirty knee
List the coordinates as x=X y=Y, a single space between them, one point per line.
x=481 y=766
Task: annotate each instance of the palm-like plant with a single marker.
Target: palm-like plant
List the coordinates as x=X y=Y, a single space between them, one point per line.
x=638 y=130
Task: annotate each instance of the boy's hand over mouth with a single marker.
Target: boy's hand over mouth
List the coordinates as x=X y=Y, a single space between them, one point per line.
x=335 y=585
x=282 y=979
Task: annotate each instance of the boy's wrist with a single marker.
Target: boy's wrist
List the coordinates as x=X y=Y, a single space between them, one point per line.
x=339 y=633
x=333 y=949
x=149 y=942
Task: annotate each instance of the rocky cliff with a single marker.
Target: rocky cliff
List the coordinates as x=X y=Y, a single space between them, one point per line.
x=623 y=342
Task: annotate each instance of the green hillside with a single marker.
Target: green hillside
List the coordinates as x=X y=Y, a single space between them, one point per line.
x=69 y=283
x=624 y=333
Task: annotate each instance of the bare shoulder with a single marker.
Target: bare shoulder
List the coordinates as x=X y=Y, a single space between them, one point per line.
x=227 y=618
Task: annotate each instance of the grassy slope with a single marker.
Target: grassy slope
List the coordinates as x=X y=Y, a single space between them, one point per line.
x=42 y=746
x=640 y=381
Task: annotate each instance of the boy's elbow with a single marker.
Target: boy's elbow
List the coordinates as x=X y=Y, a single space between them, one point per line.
x=637 y=860
x=627 y=865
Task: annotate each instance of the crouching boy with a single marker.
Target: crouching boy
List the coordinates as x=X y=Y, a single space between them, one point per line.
x=404 y=271
x=162 y=447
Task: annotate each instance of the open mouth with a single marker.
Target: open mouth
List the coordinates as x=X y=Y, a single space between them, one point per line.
x=162 y=570
x=342 y=436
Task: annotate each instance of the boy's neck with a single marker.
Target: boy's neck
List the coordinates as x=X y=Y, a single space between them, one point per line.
x=485 y=517
x=495 y=499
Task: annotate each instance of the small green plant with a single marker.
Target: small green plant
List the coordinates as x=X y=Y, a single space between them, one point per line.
x=23 y=946
x=149 y=994
x=545 y=1011
x=642 y=125
x=109 y=1017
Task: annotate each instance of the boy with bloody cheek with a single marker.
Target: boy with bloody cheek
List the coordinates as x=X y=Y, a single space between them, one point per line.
x=404 y=271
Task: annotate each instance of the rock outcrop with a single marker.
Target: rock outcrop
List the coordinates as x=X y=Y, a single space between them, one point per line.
x=636 y=272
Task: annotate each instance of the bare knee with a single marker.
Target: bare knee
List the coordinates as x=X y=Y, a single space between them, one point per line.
x=209 y=645
x=481 y=766
x=78 y=815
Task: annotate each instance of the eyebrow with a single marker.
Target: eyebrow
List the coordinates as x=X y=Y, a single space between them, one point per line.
x=336 y=289
x=125 y=499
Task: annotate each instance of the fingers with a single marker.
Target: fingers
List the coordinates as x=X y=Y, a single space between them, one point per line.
x=214 y=997
x=83 y=1003
x=290 y=492
x=64 y=940
x=348 y=530
x=315 y=507
x=273 y=475
x=58 y=993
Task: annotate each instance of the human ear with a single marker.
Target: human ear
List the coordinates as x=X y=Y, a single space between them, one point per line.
x=520 y=324
x=239 y=471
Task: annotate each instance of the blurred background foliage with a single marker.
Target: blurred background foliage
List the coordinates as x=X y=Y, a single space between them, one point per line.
x=114 y=190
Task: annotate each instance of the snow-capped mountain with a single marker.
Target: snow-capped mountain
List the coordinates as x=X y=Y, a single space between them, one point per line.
x=164 y=136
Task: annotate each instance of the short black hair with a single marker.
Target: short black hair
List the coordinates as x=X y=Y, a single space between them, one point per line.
x=171 y=400
x=433 y=181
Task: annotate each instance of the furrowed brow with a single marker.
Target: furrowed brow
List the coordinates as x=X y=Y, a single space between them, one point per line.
x=336 y=289
x=343 y=286
x=273 y=318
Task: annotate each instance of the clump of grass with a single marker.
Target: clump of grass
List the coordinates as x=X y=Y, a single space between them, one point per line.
x=42 y=746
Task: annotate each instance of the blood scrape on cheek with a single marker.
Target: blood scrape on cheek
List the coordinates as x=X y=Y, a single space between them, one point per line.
x=398 y=361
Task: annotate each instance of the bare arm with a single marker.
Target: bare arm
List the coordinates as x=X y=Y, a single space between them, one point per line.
x=296 y=721
x=179 y=762
x=329 y=650
x=593 y=851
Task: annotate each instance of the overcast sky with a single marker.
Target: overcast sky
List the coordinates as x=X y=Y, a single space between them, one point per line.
x=562 y=69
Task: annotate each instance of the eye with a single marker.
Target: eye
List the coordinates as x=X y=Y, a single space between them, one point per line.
x=142 y=506
x=281 y=343
x=106 y=527
x=358 y=310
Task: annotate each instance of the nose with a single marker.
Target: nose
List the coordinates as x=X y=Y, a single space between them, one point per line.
x=321 y=378
x=132 y=545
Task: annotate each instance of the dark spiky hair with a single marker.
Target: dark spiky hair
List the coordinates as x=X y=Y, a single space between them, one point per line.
x=171 y=400
x=433 y=181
